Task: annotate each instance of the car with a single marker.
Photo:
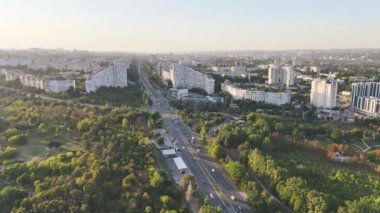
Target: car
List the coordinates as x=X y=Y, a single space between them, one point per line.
x=198 y=150
x=211 y=195
x=213 y=170
x=232 y=197
x=183 y=147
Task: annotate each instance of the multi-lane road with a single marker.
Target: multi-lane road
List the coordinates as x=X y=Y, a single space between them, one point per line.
x=210 y=178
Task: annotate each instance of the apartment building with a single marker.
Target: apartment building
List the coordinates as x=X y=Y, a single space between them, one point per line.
x=365 y=98
x=281 y=75
x=323 y=93
x=48 y=85
x=183 y=76
x=112 y=76
x=276 y=98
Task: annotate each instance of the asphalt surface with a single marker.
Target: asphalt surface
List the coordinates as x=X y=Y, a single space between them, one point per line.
x=208 y=174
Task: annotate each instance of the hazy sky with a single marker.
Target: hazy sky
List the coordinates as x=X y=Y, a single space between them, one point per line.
x=189 y=25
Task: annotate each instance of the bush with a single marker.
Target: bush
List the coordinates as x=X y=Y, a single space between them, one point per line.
x=12 y=132
x=8 y=152
x=160 y=140
x=18 y=139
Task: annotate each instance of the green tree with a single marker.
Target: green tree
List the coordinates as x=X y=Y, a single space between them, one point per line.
x=235 y=170
x=210 y=209
x=215 y=150
x=203 y=134
x=124 y=123
x=166 y=201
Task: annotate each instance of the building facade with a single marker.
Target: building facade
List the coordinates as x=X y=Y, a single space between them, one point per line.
x=57 y=86
x=238 y=69
x=276 y=98
x=365 y=98
x=183 y=77
x=48 y=85
x=323 y=93
x=112 y=76
x=281 y=75
x=32 y=81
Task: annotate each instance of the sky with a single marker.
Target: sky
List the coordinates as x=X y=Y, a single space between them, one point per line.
x=154 y=26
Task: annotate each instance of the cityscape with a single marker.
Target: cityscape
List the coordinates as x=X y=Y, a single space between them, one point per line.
x=150 y=117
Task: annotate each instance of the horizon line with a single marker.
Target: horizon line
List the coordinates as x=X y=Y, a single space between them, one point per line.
x=188 y=51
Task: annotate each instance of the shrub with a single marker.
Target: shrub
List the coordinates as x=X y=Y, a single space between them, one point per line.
x=18 y=139
x=160 y=140
x=8 y=152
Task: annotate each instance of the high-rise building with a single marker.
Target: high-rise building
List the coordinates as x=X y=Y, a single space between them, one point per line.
x=323 y=93
x=365 y=98
x=281 y=75
x=185 y=77
x=112 y=76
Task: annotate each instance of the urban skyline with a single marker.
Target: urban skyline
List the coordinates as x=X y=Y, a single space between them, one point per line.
x=176 y=106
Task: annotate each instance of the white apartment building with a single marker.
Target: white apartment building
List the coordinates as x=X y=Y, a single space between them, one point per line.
x=48 y=85
x=315 y=69
x=227 y=69
x=360 y=79
x=276 y=98
x=238 y=69
x=2 y=72
x=323 y=93
x=185 y=77
x=57 y=86
x=113 y=76
x=32 y=81
x=11 y=76
x=365 y=98
x=369 y=106
x=220 y=69
x=281 y=75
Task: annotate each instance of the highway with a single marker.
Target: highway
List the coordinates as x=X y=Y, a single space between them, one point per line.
x=209 y=176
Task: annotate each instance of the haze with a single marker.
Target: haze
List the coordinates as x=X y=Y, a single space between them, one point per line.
x=179 y=25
